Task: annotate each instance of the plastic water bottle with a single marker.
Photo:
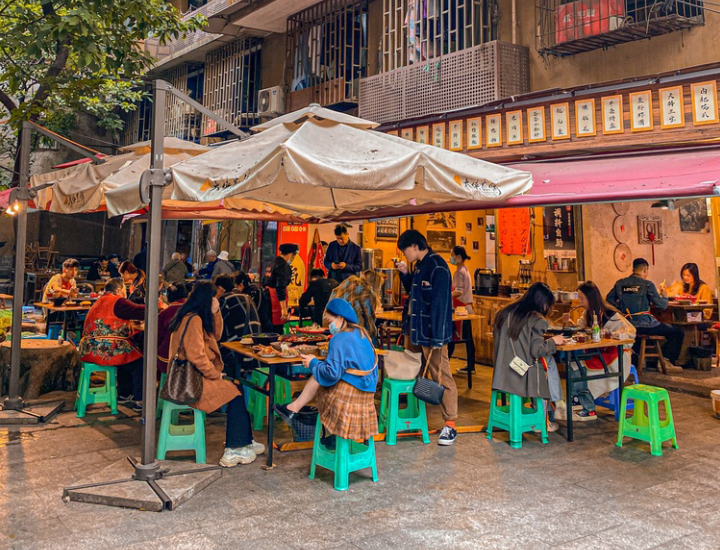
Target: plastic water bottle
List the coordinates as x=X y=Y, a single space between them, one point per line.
x=595 y=329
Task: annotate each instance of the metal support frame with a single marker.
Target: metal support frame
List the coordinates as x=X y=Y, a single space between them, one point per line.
x=151 y=185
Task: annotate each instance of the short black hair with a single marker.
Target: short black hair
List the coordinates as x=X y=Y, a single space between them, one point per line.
x=103 y=258
x=241 y=278
x=225 y=281
x=341 y=229
x=70 y=263
x=639 y=263
x=411 y=237
x=289 y=248
x=460 y=251
x=114 y=256
x=317 y=272
x=176 y=292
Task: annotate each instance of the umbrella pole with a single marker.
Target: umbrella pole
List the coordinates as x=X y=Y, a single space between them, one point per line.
x=147 y=470
x=14 y=411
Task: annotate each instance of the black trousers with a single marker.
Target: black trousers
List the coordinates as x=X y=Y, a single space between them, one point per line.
x=470 y=347
x=279 y=328
x=130 y=379
x=238 y=432
x=673 y=335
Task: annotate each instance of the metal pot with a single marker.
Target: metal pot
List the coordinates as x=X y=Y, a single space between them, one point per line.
x=391 y=287
x=486 y=282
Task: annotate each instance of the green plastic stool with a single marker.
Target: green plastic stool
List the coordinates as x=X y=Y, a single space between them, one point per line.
x=348 y=456
x=163 y=377
x=107 y=393
x=257 y=402
x=647 y=426
x=181 y=437
x=522 y=414
x=394 y=419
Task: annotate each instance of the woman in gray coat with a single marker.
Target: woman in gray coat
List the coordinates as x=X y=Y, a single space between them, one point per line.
x=519 y=331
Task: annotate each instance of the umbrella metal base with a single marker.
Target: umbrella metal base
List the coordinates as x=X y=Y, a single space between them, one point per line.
x=117 y=485
x=27 y=414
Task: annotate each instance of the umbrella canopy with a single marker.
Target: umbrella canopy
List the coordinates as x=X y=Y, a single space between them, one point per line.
x=82 y=187
x=325 y=169
x=318 y=113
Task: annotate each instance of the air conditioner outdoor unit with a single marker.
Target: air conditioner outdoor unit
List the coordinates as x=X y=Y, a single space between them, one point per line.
x=271 y=101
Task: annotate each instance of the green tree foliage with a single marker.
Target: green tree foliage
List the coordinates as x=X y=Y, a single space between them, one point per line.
x=65 y=56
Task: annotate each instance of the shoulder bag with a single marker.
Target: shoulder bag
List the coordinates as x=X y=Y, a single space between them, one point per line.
x=427 y=389
x=184 y=383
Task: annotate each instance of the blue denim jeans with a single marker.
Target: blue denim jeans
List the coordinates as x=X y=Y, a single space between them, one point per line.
x=580 y=389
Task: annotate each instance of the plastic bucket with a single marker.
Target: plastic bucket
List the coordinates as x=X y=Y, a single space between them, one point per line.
x=303 y=424
x=715 y=396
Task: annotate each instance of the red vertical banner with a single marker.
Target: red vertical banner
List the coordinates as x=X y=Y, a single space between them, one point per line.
x=295 y=233
x=514 y=231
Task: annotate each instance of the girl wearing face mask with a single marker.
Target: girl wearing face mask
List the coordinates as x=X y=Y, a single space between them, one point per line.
x=345 y=382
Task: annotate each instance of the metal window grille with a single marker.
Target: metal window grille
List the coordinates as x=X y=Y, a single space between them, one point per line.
x=570 y=27
x=232 y=77
x=419 y=30
x=496 y=70
x=327 y=48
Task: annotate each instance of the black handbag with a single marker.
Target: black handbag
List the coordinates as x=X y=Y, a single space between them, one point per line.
x=427 y=389
x=184 y=383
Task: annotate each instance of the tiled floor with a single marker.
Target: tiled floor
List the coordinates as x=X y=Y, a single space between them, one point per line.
x=479 y=494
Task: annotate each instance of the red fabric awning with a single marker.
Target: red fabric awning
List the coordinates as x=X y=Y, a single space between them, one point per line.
x=75 y=162
x=648 y=176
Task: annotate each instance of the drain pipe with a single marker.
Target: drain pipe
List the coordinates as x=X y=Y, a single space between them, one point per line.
x=514 y=21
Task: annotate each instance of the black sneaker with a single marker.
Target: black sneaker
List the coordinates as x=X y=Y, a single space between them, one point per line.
x=137 y=406
x=125 y=398
x=285 y=414
x=584 y=415
x=448 y=436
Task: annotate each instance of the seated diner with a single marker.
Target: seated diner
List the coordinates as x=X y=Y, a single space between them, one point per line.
x=345 y=382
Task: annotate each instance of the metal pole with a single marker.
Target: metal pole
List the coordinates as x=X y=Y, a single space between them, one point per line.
x=13 y=401
x=148 y=468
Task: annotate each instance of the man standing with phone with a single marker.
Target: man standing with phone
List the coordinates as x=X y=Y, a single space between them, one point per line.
x=429 y=318
x=343 y=258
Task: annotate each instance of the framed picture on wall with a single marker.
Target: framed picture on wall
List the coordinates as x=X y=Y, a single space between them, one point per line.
x=694 y=217
x=442 y=220
x=387 y=230
x=441 y=241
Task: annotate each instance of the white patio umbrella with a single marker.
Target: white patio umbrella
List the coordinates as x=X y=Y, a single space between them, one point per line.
x=82 y=188
x=322 y=168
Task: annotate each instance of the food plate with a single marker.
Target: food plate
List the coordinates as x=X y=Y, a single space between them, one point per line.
x=267 y=355
x=311 y=330
x=297 y=339
x=246 y=342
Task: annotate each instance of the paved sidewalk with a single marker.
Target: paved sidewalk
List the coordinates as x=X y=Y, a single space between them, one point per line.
x=479 y=494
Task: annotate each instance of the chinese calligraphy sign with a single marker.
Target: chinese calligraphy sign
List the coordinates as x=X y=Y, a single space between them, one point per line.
x=641 y=111
x=612 y=114
x=438 y=131
x=704 y=102
x=456 y=135
x=559 y=114
x=407 y=133
x=493 y=128
x=585 y=118
x=422 y=135
x=514 y=122
x=474 y=133
x=672 y=113
x=514 y=230
x=536 y=124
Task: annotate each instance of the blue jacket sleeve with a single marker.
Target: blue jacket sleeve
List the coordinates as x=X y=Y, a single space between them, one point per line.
x=330 y=371
x=354 y=261
x=330 y=256
x=655 y=298
x=441 y=303
x=612 y=297
x=406 y=280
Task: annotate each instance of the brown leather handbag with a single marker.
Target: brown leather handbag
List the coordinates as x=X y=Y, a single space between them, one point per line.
x=184 y=383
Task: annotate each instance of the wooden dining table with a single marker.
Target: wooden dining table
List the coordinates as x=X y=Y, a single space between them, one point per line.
x=50 y=307
x=578 y=352
x=277 y=366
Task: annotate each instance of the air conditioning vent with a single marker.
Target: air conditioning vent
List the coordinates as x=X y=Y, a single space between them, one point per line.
x=271 y=102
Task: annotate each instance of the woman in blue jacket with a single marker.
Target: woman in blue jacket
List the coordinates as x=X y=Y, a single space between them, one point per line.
x=345 y=382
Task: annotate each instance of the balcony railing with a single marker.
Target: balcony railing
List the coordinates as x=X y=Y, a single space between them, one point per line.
x=192 y=40
x=567 y=28
x=470 y=77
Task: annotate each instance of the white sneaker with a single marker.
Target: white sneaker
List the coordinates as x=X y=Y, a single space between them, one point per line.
x=259 y=448
x=241 y=455
x=560 y=410
x=553 y=427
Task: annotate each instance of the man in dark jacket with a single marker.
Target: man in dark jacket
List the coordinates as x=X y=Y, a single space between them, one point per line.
x=633 y=296
x=99 y=269
x=429 y=318
x=343 y=257
x=318 y=292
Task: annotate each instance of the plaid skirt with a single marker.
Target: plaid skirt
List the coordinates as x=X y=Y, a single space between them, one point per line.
x=347 y=412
